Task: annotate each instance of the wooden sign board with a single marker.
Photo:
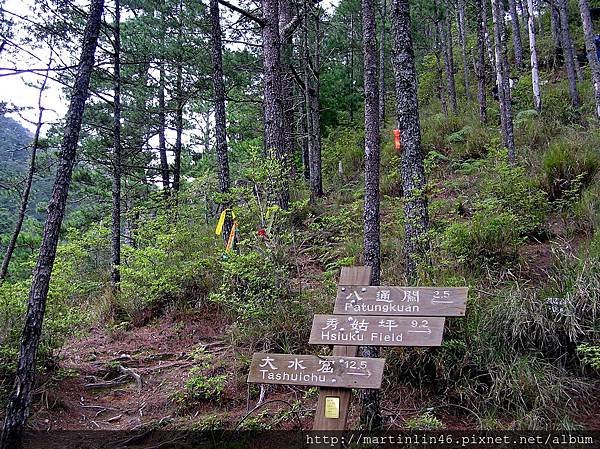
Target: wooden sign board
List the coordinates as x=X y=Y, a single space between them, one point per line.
x=339 y=372
x=376 y=330
x=401 y=301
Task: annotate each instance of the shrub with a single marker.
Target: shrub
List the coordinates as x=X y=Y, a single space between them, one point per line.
x=471 y=142
x=437 y=128
x=508 y=188
x=170 y=260
x=525 y=117
x=199 y=387
x=256 y=294
x=345 y=145
x=72 y=303
x=568 y=167
x=521 y=94
x=425 y=421
x=590 y=355
x=486 y=240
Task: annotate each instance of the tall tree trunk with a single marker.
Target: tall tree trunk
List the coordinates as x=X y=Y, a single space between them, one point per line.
x=162 y=125
x=535 y=74
x=12 y=244
x=416 y=220
x=19 y=401
x=556 y=34
x=273 y=96
x=179 y=105
x=115 y=272
x=525 y=13
x=449 y=61
x=438 y=64
x=305 y=136
x=287 y=49
x=352 y=87
x=382 y=31
x=315 y=106
x=220 y=112
x=567 y=45
x=370 y=414
x=590 y=48
x=488 y=39
x=311 y=80
x=462 y=35
x=502 y=80
x=178 y=130
x=516 y=33
x=481 y=96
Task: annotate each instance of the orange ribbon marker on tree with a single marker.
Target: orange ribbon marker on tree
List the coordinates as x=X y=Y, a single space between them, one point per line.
x=397 y=139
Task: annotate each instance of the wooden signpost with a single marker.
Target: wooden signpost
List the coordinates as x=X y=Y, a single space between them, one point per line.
x=341 y=372
x=406 y=301
x=364 y=315
x=376 y=330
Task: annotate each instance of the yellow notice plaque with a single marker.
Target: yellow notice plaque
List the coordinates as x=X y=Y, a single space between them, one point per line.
x=332 y=407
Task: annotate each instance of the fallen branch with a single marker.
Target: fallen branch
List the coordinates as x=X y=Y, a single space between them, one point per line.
x=114 y=418
x=136 y=377
x=108 y=384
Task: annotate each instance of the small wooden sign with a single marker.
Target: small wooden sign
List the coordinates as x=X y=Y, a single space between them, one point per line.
x=401 y=301
x=376 y=330
x=332 y=407
x=339 y=372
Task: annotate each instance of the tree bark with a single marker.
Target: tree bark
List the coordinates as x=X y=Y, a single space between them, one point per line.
x=462 y=34
x=481 y=95
x=556 y=34
x=19 y=401
x=177 y=149
x=416 y=221
x=438 y=64
x=304 y=133
x=12 y=244
x=535 y=74
x=446 y=39
x=352 y=87
x=287 y=49
x=273 y=97
x=162 y=125
x=220 y=111
x=370 y=413
x=179 y=105
x=488 y=39
x=502 y=80
x=115 y=272
x=162 y=142
x=567 y=44
x=516 y=33
x=313 y=123
x=590 y=48
x=382 y=31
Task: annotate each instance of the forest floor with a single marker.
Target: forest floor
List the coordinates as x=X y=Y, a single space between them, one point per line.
x=97 y=386
x=127 y=379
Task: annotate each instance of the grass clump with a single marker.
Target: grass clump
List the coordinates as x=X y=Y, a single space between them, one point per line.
x=199 y=387
x=485 y=240
x=567 y=168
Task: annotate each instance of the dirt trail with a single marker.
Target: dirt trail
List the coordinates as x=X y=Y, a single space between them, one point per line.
x=124 y=379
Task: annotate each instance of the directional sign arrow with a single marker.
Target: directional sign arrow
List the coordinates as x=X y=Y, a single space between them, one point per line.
x=376 y=330
x=424 y=331
x=401 y=301
x=343 y=372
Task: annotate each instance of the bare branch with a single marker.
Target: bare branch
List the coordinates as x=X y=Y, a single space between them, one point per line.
x=243 y=12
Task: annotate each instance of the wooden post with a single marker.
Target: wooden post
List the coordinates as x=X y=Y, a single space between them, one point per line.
x=349 y=276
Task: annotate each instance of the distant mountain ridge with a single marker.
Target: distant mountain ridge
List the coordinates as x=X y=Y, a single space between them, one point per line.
x=14 y=137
